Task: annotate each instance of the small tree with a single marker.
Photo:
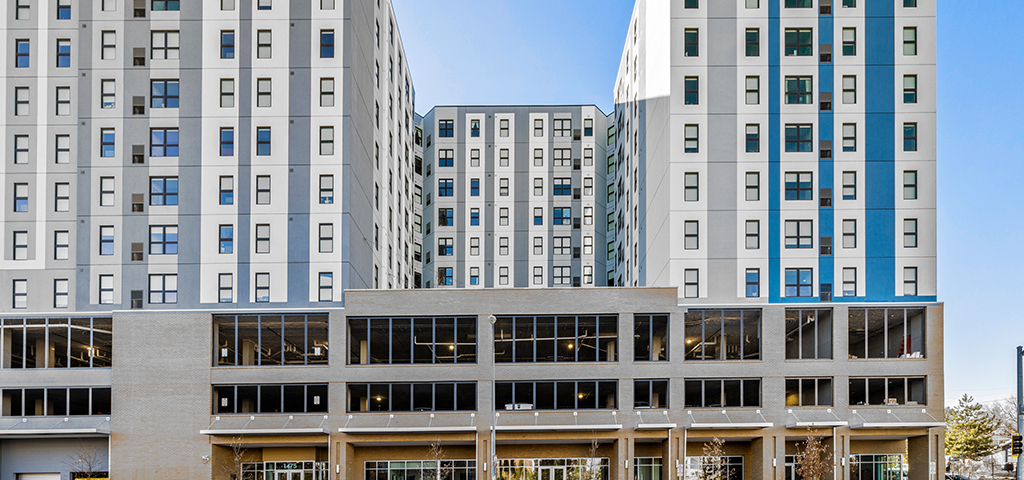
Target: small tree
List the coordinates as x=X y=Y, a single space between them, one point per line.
x=712 y=464
x=592 y=469
x=815 y=459
x=442 y=469
x=1005 y=413
x=969 y=431
x=232 y=467
x=84 y=462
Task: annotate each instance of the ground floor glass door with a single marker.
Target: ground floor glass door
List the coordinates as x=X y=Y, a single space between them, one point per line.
x=552 y=473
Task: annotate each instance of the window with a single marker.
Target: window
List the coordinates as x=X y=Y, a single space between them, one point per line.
x=474 y=187
x=227 y=190
x=503 y=127
x=326 y=287
x=445 y=247
x=326 y=238
x=63 y=53
x=910 y=40
x=21 y=54
x=474 y=246
x=61 y=192
x=163 y=288
x=690 y=283
x=106 y=191
x=227 y=142
x=588 y=215
x=503 y=157
x=263 y=92
x=163 y=240
x=690 y=89
x=326 y=189
x=227 y=5
x=849 y=137
x=61 y=245
x=849 y=185
x=753 y=282
x=446 y=217
x=326 y=140
x=910 y=233
x=503 y=216
x=227 y=93
x=538 y=216
x=21 y=101
x=163 y=190
x=262 y=141
x=799 y=138
x=887 y=332
x=474 y=217
x=63 y=104
x=163 y=142
x=20 y=197
x=910 y=185
x=849 y=233
x=529 y=339
x=327 y=92
x=588 y=157
x=562 y=157
x=588 y=127
x=538 y=187
x=474 y=157
x=719 y=393
x=107 y=94
x=752 y=232
x=562 y=127
x=799 y=4
x=419 y=397
x=227 y=239
x=884 y=391
x=106 y=294
x=445 y=158
x=910 y=89
x=563 y=216
x=445 y=128
x=809 y=392
x=262 y=238
x=106 y=240
x=849 y=41
x=799 y=282
x=326 y=43
x=808 y=334
x=798 y=186
x=753 y=186
x=262 y=287
x=166 y=5
x=849 y=282
x=225 y=289
x=798 y=41
x=20 y=290
x=23 y=10
x=799 y=234
x=503 y=246
x=227 y=44
x=849 y=89
x=690 y=139
x=264 y=45
x=799 y=90
x=21 y=149
x=753 y=42
x=20 y=246
x=562 y=187
x=263 y=190
x=62 y=149
x=164 y=94
x=690 y=237
x=690 y=42
x=753 y=138
x=538 y=127
x=909 y=137
x=753 y=90
x=166 y=45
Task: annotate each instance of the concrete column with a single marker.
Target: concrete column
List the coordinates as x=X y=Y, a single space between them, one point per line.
x=919 y=453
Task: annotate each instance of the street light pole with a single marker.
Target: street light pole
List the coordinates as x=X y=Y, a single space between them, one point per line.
x=1020 y=406
x=494 y=409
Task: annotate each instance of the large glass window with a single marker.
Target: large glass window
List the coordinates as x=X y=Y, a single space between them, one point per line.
x=650 y=337
x=723 y=334
x=56 y=342
x=808 y=334
x=887 y=333
x=732 y=467
x=876 y=466
x=583 y=338
x=556 y=395
x=406 y=397
x=402 y=340
x=888 y=391
x=730 y=392
x=552 y=468
x=270 y=339
x=56 y=402
x=809 y=392
x=290 y=398
x=650 y=394
x=420 y=470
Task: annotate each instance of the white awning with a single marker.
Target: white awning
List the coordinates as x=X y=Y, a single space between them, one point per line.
x=888 y=425
x=825 y=424
x=730 y=425
x=655 y=426
x=236 y=432
x=387 y=430
x=54 y=432
x=556 y=428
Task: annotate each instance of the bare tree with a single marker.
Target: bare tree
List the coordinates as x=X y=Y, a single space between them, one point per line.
x=85 y=462
x=442 y=469
x=1005 y=413
x=231 y=468
x=591 y=469
x=713 y=464
x=815 y=459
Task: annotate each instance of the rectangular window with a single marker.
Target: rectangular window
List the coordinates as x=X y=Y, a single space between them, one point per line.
x=849 y=282
x=718 y=393
x=445 y=187
x=263 y=190
x=106 y=240
x=887 y=332
x=753 y=282
x=849 y=137
x=227 y=44
x=753 y=186
x=541 y=339
x=326 y=237
x=690 y=139
x=165 y=45
x=849 y=89
x=326 y=140
x=474 y=246
x=562 y=187
x=21 y=101
x=62 y=150
x=691 y=283
x=562 y=127
x=225 y=289
x=799 y=138
x=799 y=233
x=910 y=233
x=474 y=217
x=264 y=45
x=263 y=92
x=849 y=41
x=164 y=94
x=691 y=42
x=799 y=282
x=262 y=141
x=262 y=238
x=888 y=391
x=909 y=137
x=809 y=392
x=227 y=239
x=799 y=4
x=445 y=247
x=446 y=217
x=262 y=287
x=163 y=240
x=753 y=138
x=799 y=41
x=910 y=89
x=691 y=93
x=23 y=11
x=326 y=189
x=227 y=142
x=106 y=294
x=227 y=190
x=417 y=340
x=538 y=127
x=503 y=246
x=752 y=232
x=445 y=128
x=63 y=103
x=538 y=187
x=849 y=185
x=108 y=98
x=753 y=38
x=163 y=142
x=474 y=157
x=799 y=186
x=753 y=90
x=20 y=294
x=227 y=93
x=503 y=216
x=63 y=53
x=562 y=216
x=21 y=149
x=910 y=40
x=799 y=90
x=445 y=158
x=163 y=288
x=20 y=197
x=326 y=43
x=562 y=157
x=163 y=190
x=538 y=216
x=106 y=191
x=474 y=187
x=910 y=185
x=20 y=246
x=690 y=235
x=808 y=334
x=327 y=92
x=61 y=245
x=326 y=287
x=166 y=5
x=849 y=233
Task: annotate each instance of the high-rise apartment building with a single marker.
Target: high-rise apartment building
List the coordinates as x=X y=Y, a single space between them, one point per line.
x=205 y=197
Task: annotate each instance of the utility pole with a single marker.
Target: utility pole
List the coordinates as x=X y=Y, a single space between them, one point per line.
x=1020 y=405
x=494 y=402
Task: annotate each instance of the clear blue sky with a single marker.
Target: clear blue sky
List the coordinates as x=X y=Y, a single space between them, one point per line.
x=567 y=52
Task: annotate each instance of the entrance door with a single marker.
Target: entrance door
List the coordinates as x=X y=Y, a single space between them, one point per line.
x=552 y=473
x=292 y=475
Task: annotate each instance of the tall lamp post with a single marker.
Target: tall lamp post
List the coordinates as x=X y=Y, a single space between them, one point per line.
x=494 y=409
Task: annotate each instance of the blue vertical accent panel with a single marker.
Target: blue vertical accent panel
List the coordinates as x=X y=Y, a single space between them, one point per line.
x=826 y=132
x=880 y=150
x=774 y=98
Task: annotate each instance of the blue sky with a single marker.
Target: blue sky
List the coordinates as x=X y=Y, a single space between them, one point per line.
x=475 y=52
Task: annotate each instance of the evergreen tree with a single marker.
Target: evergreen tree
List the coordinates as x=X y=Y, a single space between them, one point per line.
x=969 y=430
